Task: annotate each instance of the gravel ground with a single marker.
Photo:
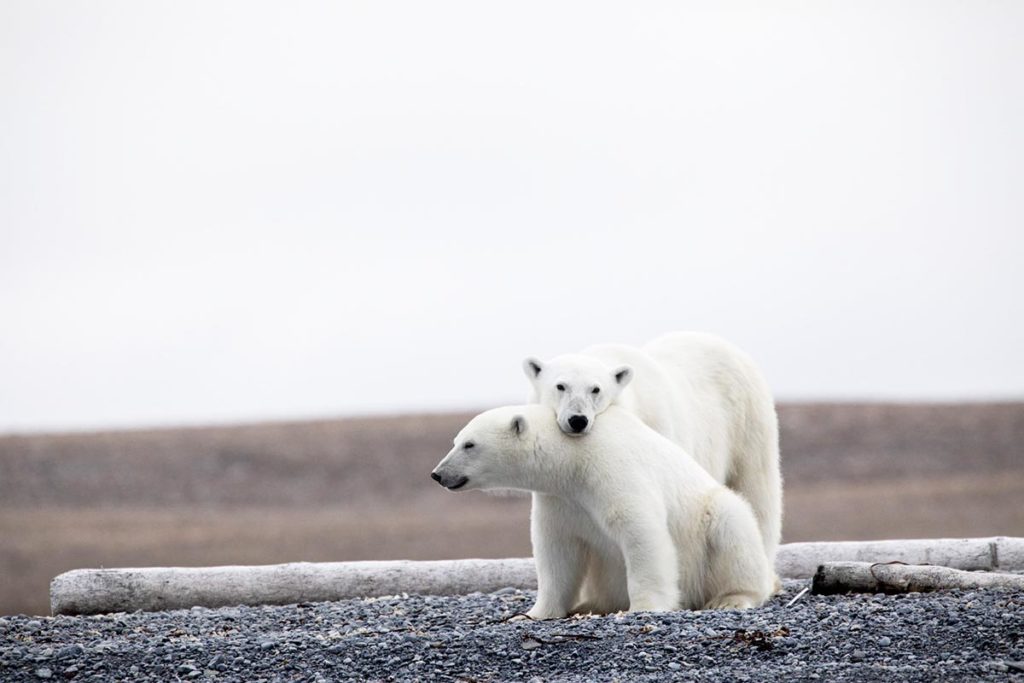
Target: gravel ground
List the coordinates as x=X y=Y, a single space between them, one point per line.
x=955 y=635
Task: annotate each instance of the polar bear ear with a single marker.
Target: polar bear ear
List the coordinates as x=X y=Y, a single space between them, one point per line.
x=532 y=367
x=623 y=376
x=518 y=425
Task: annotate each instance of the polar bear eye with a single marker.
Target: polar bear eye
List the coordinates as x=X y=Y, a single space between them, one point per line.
x=596 y=390
x=560 y=387
x=468 y=445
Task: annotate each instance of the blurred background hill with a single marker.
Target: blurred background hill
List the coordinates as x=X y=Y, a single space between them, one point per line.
x=358 y=489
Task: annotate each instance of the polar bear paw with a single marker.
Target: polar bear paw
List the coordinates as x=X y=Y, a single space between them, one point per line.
x=731 y=601
x=540 y=613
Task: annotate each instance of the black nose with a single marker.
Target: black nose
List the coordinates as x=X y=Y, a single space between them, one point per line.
x=436 y=477
x=578 y=423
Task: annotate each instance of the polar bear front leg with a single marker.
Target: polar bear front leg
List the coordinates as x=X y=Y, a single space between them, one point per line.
x=560 y=558
x=652 y=564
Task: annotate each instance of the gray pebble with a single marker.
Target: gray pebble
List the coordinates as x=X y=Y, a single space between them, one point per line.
x=453 y=637
x=69 y=651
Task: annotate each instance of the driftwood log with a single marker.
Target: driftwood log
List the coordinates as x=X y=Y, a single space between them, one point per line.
x=96 y=591
x=868 y=577
x=999 y=553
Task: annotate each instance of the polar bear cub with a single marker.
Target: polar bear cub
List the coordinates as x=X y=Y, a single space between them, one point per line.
x=696 y=389
x=623 y=519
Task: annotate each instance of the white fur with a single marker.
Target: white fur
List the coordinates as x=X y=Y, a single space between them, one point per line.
x=622 y=519
x=698 y=390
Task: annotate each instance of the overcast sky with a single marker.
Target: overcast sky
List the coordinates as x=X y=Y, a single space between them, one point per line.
x=221 y=211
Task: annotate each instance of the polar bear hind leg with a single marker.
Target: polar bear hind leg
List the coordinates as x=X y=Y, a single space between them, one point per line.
x=737 y=573
x=754 y=471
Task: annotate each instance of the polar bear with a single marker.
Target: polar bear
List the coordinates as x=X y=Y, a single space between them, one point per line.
x=623 y=519
x=696 y=389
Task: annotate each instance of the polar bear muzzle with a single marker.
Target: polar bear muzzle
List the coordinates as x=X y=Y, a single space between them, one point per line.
x=577 y=423
x=449 y=482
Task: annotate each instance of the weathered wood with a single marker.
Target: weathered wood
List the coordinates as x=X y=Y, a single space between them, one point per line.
x=94 y=591
x=801 y=560
x=868 y=577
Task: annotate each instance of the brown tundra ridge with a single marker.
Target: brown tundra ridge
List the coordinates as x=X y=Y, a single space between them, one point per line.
x=359 y=489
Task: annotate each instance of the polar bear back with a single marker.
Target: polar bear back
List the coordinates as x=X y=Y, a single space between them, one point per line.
x=721 y=393
x=692 y=388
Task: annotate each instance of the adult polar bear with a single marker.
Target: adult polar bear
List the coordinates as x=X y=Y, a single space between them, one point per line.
x=698 y=390
x=621 y=520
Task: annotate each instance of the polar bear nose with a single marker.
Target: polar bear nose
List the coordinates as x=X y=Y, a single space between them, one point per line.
x=436 y=477
x=578 y=423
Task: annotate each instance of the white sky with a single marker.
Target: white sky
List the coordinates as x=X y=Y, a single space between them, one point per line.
x=231 y=211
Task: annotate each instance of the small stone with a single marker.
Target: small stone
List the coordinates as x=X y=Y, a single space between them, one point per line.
x=34 y=624
x=885 y=641
x=857 y=656
x=44 y=673
x=69 y=651
x=71 y=670
x=675 y=666
x=530 y=644
x=217 y=659
x=267 y=644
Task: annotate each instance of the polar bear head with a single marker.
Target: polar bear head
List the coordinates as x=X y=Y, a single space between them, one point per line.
x=577 y=387
x=498 y=449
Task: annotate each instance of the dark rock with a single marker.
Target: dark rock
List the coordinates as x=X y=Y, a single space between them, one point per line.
x=70 y=651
